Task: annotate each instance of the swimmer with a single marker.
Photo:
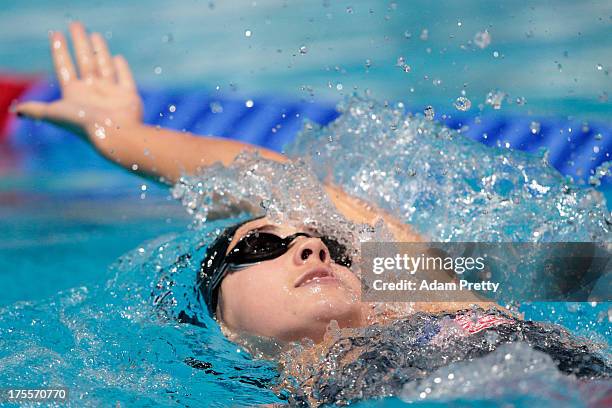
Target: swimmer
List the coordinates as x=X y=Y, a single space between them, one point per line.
x=261 y=280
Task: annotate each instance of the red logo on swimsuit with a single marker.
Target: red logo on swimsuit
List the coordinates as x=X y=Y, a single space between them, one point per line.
x=473 y=324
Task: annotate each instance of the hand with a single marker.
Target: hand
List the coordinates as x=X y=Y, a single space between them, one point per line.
x=101 y=96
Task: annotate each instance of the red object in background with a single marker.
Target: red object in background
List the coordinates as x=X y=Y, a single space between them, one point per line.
x=11 y=88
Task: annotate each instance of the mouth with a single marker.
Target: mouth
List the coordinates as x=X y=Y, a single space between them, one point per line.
x=316 y=276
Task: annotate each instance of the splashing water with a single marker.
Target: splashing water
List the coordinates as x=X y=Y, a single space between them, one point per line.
x=287 y=193
x=451 y=188
x=122 y=341
x=448 y=186
x=463 y=104
x=430 y=113
x=482 y=39
x=510 y=373
x=495 y=99
x=401 y=62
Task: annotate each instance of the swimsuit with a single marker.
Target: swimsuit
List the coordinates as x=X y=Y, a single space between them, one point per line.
x=385 y=357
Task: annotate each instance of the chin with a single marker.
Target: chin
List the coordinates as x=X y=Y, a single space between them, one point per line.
x=347 y=313
x=315 y=318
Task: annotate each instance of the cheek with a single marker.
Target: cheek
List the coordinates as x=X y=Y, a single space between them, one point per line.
x=256 y=289
x=350 y=279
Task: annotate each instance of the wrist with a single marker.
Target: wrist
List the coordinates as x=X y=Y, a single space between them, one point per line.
x=106 y=136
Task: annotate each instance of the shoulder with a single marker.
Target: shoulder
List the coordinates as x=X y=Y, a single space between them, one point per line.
x=364 y=212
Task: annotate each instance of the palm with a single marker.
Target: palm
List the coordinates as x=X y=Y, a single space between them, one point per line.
x=97 y=101
x=103 y=93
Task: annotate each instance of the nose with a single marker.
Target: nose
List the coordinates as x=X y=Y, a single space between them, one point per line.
x=311 y=250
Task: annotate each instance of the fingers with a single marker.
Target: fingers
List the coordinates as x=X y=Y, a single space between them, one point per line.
x=34 y=110
x=64 y=68
x=83 y=51
x=93 y=58
x=106 y=68
x=55 y=112
x=124 y=74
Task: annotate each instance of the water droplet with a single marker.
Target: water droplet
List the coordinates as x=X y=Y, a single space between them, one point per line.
x=534 y=127
x=520 y=100
x=407 y=35
x=424 y=34
x=157 y=70
x=100 y=131
x=216 y=107
x=349 y=10
x=463 y=104
x=599 y=67
x=172 y=108
x=495 y=99
x=585 y=127
x=134 y=167
x=368 y=63
x=303 y=49
x=429 y=112
x=495 y=54
x=249 y=103
x=436 y=82
x=248 y=33
x=401 y=62
x=482 y=39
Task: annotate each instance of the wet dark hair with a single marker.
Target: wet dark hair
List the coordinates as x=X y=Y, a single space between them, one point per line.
x=209 y=276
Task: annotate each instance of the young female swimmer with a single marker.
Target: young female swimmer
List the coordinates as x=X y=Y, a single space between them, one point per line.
x=256 y=266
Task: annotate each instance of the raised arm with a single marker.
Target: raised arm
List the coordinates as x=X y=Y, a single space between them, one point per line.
x=100 y=103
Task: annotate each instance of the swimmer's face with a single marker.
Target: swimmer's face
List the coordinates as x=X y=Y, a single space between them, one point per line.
x=291 y=297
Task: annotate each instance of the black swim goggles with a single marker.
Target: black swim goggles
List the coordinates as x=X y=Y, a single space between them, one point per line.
x=256 y=246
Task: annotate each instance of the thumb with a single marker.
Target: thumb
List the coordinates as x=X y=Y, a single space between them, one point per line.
x=34 y=110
